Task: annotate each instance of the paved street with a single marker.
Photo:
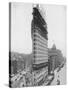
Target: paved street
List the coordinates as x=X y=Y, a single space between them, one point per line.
x=60 y=76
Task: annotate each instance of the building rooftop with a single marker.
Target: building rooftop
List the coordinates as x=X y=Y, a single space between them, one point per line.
x=54 y=47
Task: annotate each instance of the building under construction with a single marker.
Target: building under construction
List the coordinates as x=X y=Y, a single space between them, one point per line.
x=40 y=46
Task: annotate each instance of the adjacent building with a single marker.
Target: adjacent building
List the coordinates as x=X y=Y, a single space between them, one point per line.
x=55 y=58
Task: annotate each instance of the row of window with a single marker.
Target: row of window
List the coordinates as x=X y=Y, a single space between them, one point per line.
x=40 y=48
x=40 y=53
x=37 y=34
x=37 y=40
x=39 y=45
x=44 y=59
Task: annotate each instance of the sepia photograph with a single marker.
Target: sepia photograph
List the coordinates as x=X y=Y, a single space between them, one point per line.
x=37 y=45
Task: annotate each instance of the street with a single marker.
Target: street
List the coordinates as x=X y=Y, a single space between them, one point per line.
x=60 y=77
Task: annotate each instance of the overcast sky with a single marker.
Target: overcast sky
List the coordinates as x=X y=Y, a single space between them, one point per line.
x=21 y=17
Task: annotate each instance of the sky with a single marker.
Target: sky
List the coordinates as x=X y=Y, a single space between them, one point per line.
x=21 y=17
